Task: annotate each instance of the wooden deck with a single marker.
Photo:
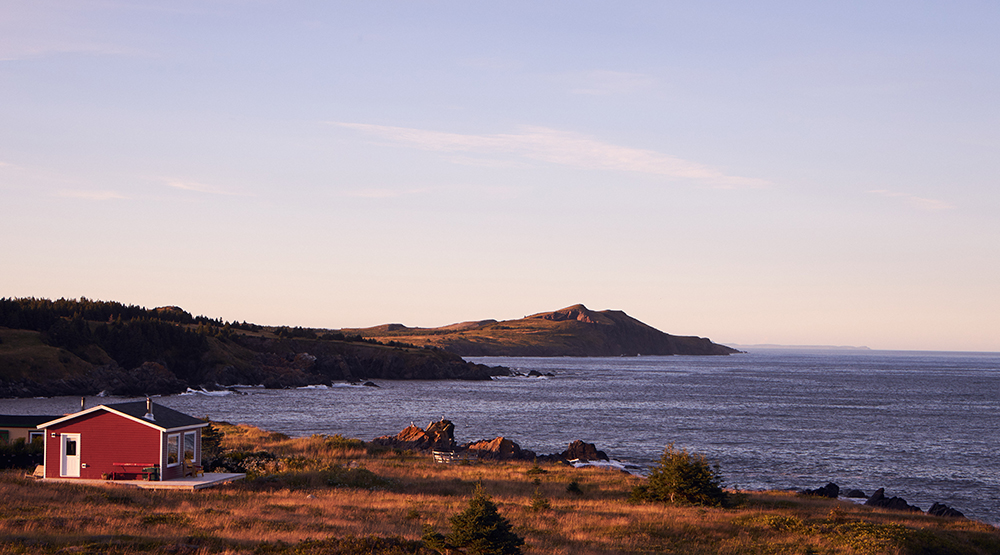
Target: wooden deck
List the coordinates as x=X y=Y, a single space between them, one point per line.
x=190 y=483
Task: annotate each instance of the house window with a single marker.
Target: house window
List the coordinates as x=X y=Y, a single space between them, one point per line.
x=173 y=449
x=32 y=436
x=189 y=447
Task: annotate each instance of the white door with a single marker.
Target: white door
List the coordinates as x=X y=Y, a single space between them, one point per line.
x=70 y=452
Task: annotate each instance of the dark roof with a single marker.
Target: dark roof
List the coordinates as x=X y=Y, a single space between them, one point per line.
x=24 y=421
x=163 y=417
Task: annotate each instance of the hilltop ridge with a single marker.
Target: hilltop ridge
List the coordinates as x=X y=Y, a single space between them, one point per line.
x=571 y=331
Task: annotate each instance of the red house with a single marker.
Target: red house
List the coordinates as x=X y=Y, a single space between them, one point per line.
x=137 y=440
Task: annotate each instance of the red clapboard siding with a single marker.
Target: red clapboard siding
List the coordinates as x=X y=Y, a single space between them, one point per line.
x=105 y=438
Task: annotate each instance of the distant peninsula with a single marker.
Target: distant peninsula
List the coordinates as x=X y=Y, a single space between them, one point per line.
x=85 y=347
x=571 y=331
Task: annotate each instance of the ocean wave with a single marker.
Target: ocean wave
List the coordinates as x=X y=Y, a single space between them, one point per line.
x=615 y=464
x=206 y=392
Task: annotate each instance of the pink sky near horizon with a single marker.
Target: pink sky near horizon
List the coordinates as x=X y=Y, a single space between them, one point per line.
x=820 y=174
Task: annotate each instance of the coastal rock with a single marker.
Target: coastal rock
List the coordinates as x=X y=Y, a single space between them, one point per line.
x=499 y=448
x=830 y=490
x=584 y=451
x=878 y=499
x=940 y=509
x=856 y=494
x=439 y=436
x=412 y=434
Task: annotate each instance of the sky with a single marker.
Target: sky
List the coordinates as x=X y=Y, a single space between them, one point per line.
x=797 y=173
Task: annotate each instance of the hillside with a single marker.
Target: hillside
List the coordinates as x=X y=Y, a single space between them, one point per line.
x=69 y=347
x=572 y=331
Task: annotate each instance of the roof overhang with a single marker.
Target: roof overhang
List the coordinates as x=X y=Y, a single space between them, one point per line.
x=150 y=423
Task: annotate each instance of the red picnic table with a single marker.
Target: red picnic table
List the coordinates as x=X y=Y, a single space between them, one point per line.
x=148 y=471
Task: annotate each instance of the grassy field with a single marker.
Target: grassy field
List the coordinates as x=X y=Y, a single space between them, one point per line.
x=334 y=495
x=23 y=354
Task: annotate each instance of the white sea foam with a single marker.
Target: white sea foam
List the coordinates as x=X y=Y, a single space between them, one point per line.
x=206 y=392
x=618 y=465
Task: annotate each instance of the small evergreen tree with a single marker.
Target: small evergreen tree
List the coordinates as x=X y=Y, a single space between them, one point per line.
x=683 y=477
x=478 y=530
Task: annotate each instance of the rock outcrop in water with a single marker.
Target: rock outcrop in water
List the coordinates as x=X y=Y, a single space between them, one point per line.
x=830 y=490
x=581 y=450
x=878 y=499
x=940 y=509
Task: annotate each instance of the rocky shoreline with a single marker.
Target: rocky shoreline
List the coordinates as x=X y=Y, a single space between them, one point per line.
x=879 y=499
x=439 y=438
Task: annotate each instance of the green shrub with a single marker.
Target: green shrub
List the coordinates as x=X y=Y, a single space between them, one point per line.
x=536 y=470
x=478 y=530
x=683 y=477
x=539 y=502
x=574 y=488
x=338 y=441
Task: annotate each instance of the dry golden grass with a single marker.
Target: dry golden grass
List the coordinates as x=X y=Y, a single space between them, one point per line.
x=276 y=514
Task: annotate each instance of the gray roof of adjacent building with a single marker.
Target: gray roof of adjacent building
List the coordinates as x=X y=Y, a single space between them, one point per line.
x=24 y=420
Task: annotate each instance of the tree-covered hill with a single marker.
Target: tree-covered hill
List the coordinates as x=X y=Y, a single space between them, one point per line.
x=76 y=347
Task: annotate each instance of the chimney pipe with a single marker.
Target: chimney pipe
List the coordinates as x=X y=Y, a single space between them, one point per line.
x=149 y=409
x=83 y=403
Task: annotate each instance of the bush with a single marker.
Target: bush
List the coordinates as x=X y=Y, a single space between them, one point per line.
x=539 y=502
x=683 y=477
x=478 y=530
x=574 y=488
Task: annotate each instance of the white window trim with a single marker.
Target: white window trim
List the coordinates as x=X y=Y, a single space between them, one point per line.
x=194 y=449
x=179 y=450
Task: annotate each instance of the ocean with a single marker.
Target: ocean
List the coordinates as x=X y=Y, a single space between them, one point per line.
x=923 y=425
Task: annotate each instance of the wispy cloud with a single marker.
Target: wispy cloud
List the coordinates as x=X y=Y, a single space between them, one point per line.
x=606 y=83
x=10 y=53
x=492 y=63
x=379 y=193
x=559 y=147
x=919 y=203
x=202 y=188
x=90 y=195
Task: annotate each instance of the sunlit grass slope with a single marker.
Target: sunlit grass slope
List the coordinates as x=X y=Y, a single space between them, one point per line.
x=324 y=494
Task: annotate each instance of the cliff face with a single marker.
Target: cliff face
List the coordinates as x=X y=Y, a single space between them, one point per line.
x=572 y=331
